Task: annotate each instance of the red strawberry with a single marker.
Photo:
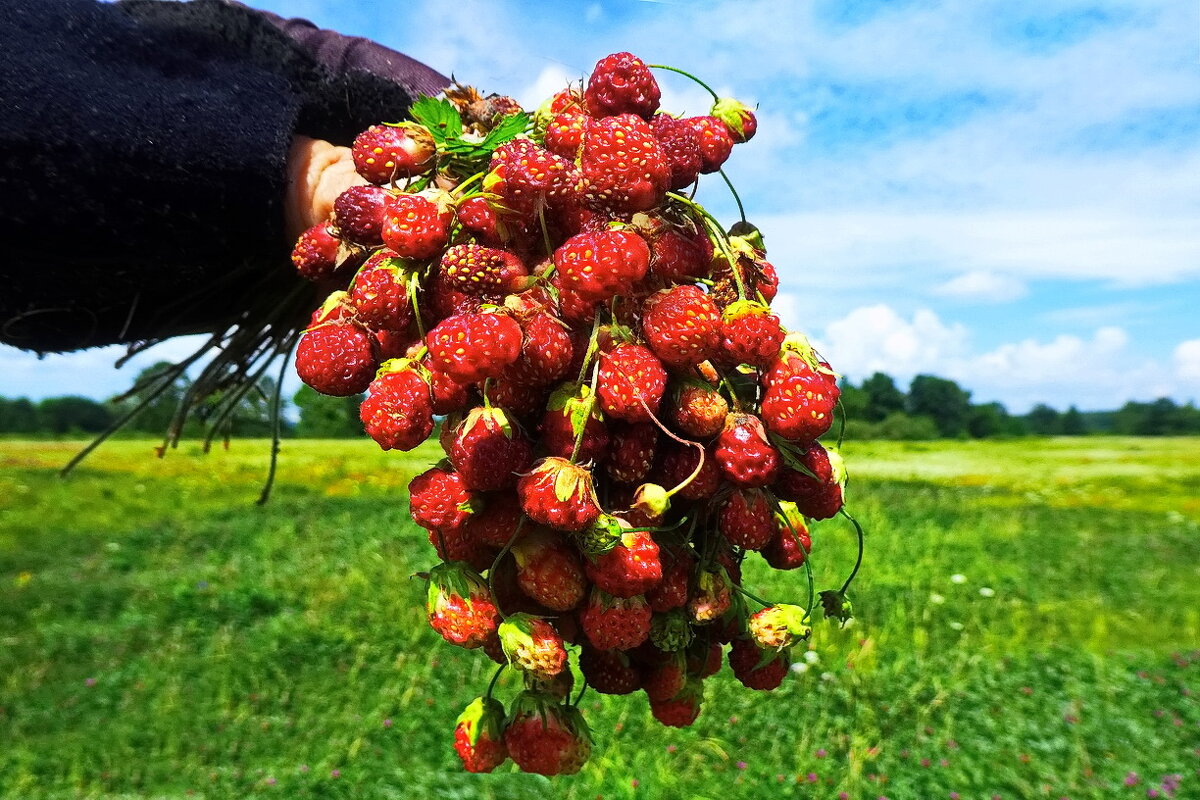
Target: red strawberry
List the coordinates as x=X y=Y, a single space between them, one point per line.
x=746 y=456
x=699 y=410
x=716 y=143
x=496 y=527
x=746 y=660
x=710 y=597
x=792 y=542
x=460 y=606
x=608 y=671
x=358 y=214
x=564 y=133
x=398 y=412
x=479 y=219
x=380 y=293
x=473 y=268
x=599 y=265
x=664 y=681
x=474 y=346
x=750 y=334
x=631 y=452
x=559 y=494
x=738 y=117
x=704 y=658
x=680 y=252
x=820 y=497
x=758 y=277
x=440 y=299
x=448 y=395
x=414 y=227
x=523 y=179
x=615 y=623
x=631 y=383
x=801 y=397
x=337 y=358
x=336 y=308
x=549 y=570
x=488 y=452
x=315 y=255
x=622 y=83
x=546 y=351
x=692 y=472
x=479 y=735
x=383 y=153
x=624 y=169
x=520 y=399
x=546 y=737
x=780 y=626
x=680 y=144
x=681 y=710
x=439 y=500
x=746 y=519
x=672 y=591
x=533 y=645
x=573 y=410
x=682 y=326
x=393 y=344
x=631 y=567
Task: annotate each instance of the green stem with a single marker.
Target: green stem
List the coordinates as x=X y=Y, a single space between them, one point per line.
x=458 y=190
x=753 y=597
x=861 y=547
x=708 y=88
x=414 y=289
x=593 y=345
x=591 y=407
x=579 y=696
x=277 y=415
x=496 y=563
x=718 y=234
x=495 y=677
x=842 y=425
x=736 y=198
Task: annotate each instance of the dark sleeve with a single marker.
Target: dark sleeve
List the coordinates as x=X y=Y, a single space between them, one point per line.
x=142 y=165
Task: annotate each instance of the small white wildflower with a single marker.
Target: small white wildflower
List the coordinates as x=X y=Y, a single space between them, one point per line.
x=799 y=667
x=958 y=577
x=936 y=599
x=827 y=676
x=958 y=626
x=812 y=656
x=848 y=624
x=987 y=591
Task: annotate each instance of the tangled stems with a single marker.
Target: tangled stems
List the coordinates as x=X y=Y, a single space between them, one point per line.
x=714 y=228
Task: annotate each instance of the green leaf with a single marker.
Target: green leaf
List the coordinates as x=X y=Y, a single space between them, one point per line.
x=440 y=117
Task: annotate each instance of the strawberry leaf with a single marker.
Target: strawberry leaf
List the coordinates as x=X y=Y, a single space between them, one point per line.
x=440 y=117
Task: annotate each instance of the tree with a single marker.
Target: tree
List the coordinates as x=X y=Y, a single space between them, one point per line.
x=987 y=420
x=883 y=398
x=323 y=417
x=1073 y=423
x=943 y=401
x=1044 y=420
x=18 y=416
x=73 y=415
x=853 y=403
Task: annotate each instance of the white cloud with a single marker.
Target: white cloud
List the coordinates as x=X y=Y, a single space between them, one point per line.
x=876 y=338
x=982 y=286
x=1187 y=362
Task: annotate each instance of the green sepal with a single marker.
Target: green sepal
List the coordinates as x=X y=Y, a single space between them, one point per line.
x=670 y=631
x=483 y=714
x=836 y=605
x=750 y=233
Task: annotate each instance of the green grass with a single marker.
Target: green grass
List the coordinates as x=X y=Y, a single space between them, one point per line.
x=161 y=636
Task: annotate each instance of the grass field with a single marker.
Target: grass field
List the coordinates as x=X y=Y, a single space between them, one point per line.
x=1029 y=626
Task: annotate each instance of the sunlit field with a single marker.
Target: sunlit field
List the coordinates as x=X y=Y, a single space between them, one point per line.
x=1028 y=626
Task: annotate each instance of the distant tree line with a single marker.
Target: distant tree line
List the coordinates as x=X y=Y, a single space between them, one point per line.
x=931 y=408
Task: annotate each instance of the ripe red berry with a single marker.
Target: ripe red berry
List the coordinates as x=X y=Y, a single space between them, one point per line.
x=545 y=737
x=680 y=144
x=523 y=179
x=631 y=451
x=681 y=710
x=699 y=410
x=747 y=457
x=746 y=661
x=337 y=358
x=474 y=346
x=680 y=253
x=672 y=591
x=479 y=219
x=716 y=143
x=820 y=497
x=622 y=83
x=624 y=169
x=398 y=412
x=750 y=334
x=801 y=396
x=549 y=570
x=572 y=410
x=479 y=735
x=488 y=451
x=632 y=382
x=533 y=645
x=738 y=117
x=564 y=133
x=559 y=494
x=747 y=520
x=791 y=542
x=358 y=214
x=384 y=153
x=609 y=671
x=414 y=227
x=439 y=500
x=665 y=680
x=615 y=623
x=632 y=567
x=682 y=326
x=380 y=293
x=692 y=471
x=546 y=351
x=473 y=268
x=316 y=252
x=599 y=265
x=460 y=606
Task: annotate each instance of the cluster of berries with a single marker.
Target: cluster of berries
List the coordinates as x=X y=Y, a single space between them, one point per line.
x=625 y=419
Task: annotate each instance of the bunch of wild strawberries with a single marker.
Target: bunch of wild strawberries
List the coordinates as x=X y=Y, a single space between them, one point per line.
x=625 y=419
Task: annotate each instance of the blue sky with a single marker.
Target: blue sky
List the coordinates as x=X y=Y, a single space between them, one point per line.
x=1004 y=193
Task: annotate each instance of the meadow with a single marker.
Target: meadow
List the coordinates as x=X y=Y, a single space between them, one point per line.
x=1028 y=625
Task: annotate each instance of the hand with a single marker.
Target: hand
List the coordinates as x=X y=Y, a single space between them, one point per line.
x=317 y=173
